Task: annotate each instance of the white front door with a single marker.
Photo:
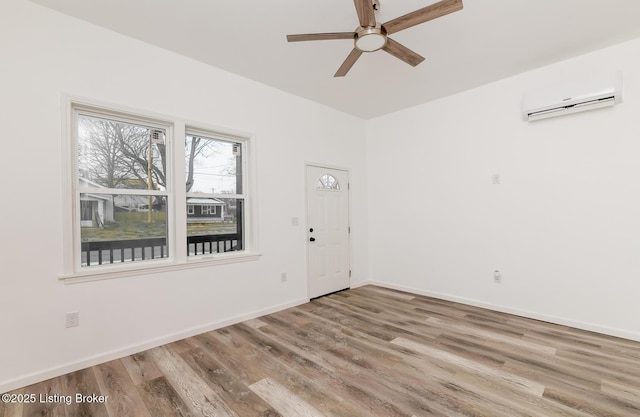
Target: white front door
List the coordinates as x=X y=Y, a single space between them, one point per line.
x=327 y=230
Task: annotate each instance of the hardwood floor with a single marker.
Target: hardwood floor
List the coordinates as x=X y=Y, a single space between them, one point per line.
x=369 y=352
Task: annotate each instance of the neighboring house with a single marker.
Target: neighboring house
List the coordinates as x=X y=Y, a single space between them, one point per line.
x=205 y=210
x=95 y=209
x=125 y=202
x=230 y=208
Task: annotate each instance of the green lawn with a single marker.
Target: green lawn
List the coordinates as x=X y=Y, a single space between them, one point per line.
x=134 y=225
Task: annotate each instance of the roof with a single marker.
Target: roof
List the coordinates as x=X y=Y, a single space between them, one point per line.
x=207 y=201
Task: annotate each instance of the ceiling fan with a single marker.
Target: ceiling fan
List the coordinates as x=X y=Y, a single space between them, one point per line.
x=371 y=36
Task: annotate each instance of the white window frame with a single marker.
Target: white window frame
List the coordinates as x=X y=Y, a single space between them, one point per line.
x=191 y=209
x=177 y=209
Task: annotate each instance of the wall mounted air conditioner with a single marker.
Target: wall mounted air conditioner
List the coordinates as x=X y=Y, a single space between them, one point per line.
x=592 y=94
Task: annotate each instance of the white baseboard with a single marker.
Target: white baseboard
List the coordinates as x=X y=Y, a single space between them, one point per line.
x=610 y=331
x=361 y=284
x=10 y=385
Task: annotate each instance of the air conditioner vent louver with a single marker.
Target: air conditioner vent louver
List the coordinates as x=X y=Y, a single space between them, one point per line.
x=590 y=95
x=157 y=136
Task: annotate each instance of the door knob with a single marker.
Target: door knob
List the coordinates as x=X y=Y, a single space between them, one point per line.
x=312 y=239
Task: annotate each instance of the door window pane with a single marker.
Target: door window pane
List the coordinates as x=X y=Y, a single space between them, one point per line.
x=327 y=182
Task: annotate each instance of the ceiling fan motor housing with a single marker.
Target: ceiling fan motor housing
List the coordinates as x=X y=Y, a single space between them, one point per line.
x=370 y=39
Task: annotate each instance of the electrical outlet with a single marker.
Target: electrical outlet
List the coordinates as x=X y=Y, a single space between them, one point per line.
x=497 y=277
x=495 y=179
x=73 y=319
x=283 y=277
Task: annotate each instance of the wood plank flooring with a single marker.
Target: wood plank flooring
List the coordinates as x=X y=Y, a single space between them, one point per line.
x=369 y=352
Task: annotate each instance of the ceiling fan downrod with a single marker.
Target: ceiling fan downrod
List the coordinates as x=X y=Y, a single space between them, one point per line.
x=371 y=38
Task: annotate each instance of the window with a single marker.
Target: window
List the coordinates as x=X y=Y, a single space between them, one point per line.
x=122 y=192
x=126 y=198
x=215 y=180
x=208 y=209
x=327 y=182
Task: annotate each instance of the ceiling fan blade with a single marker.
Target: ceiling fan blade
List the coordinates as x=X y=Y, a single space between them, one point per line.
x=425 y=14
x=402 y=52
x=366 y=15
x=320 y=36
x=348 y=63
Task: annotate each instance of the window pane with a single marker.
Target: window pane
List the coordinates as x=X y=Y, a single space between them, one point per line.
x=213 y=166
x=117 y=154
x=327 y=182
x=119 y=228
x=216 y=225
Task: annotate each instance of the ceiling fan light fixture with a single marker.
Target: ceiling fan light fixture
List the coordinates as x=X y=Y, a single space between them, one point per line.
x=370 y=39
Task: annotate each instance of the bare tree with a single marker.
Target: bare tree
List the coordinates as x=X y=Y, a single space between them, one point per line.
x=197 y=151
x=116 y=154
x=137 y=150
x=100 y=151
x=193 y=147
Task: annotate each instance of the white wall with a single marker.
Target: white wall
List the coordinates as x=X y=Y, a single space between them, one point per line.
x=563 y=227
x=44 y=54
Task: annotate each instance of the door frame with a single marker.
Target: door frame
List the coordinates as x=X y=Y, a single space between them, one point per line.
x=306 y=214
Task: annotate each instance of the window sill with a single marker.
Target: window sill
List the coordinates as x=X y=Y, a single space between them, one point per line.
x=158 y=266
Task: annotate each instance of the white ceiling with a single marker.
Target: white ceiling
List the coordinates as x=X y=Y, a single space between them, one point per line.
x=486 y=41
